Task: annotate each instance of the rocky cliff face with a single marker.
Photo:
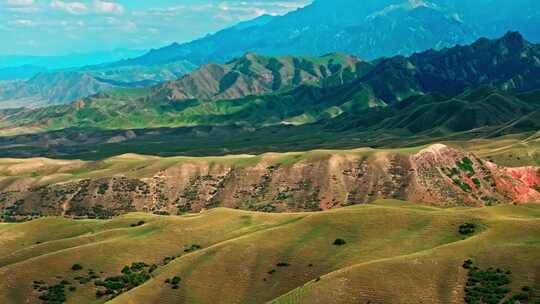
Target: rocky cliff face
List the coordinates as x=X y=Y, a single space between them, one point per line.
x=437 y=175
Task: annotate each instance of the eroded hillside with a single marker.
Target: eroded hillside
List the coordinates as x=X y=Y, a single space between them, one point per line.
x=317 y=180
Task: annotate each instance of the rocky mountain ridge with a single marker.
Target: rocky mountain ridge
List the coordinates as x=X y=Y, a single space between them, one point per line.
x=311 y=181
x=253 y=74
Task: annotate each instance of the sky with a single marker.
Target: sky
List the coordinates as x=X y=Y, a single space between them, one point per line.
x=59 y=27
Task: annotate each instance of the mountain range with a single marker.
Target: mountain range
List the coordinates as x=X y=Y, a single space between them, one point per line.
x=368 y=29
x=488 y=88
x=65 y=86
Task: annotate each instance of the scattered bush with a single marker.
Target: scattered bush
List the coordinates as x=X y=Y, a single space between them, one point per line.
x=339 y=242
x=174 y=282
x=468 y=264
x=136 y=267
x=83 y=280
x=282 y=264
x=281 y=196
x=76 y=267
x=163 y=213
x=55 y=294
x=467 y=228
x=466 y=164
x=526 y=289
x=522 y=296
x=464 y=186
x=139 y=223
x=486 y=286
x=132 y=276
x=167 y=260
x=92 y=275
x=192 y=248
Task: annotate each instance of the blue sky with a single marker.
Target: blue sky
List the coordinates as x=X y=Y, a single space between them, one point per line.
x=57 y=27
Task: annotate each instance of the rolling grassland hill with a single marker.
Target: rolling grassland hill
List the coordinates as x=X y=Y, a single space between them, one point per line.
x=385 y=252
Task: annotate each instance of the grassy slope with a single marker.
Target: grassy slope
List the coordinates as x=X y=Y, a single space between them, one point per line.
x=396 y=253
x=508 y=150
x=150 y=108
x=338 y=133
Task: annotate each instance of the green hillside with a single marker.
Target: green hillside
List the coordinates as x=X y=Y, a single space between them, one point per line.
x=393 y=252
x=109 y=125
x=258 y=104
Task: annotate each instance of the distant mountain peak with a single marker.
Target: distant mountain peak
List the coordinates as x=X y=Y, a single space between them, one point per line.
x=407 y=5
x=352 y=58
x=415 y=4
x=250 y=56
x=513 y=39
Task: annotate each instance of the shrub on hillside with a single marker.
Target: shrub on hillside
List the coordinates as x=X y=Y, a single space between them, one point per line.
x=139 y=223
x=467 y=228
x=131 y=276
x=55 y=294
x=192 y=248
x=466 y=164
x=174 y=282
x=163 y=213
x=468 y=264
x=488 y=286
x=339 y=242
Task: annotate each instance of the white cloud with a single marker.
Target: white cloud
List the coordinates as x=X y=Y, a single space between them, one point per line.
x=23 y=22
x=70 y=7
x=234 y=11
x=229 y=11
x=20 y=2
x=24 y=9
x=106 y=7
x=22 y=6
x=156 y=23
